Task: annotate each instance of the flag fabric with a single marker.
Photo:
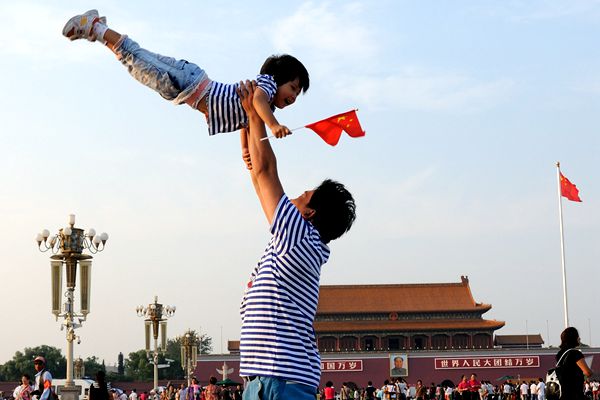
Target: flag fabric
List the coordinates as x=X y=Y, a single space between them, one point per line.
x=568 y=190
x=330 y=129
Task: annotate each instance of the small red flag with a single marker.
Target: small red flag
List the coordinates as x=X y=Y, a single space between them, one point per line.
x=568 y=190
x=330 y=129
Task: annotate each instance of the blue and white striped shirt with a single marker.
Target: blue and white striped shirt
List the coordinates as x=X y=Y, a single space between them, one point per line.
x=225 y=111
x=279 y=306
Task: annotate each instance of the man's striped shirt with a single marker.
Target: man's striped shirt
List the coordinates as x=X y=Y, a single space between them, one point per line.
x=225 y=111
x=279 y=306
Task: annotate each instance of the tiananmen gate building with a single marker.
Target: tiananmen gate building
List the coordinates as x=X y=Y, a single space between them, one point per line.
x=429 y=331
x=428 y=316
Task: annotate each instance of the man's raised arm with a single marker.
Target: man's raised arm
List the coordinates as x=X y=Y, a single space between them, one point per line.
x=264 y=164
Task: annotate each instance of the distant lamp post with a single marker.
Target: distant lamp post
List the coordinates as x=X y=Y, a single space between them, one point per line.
x=79 y=368
x=189 y=354
x=156 y=316
x=67 y=248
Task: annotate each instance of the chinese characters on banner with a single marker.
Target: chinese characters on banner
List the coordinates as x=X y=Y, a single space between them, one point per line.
x=341 y=365
x=487 y=362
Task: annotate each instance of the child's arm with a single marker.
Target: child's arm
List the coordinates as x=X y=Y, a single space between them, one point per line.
x=263 y=109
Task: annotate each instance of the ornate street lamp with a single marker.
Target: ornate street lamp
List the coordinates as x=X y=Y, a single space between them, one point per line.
x=67 y=248
x=156 y=316
x=189 y=354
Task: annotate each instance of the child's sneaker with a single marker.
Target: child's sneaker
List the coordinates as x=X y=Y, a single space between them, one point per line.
x=81 y=26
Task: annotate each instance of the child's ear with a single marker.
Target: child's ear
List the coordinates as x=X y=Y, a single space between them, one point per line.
x=309 y=213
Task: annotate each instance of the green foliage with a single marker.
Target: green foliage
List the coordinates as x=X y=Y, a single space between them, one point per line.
x=92 y=366
x=22 y=362
x=138 y=367
x=174 y=353
x=135 y=367
x=120 y=365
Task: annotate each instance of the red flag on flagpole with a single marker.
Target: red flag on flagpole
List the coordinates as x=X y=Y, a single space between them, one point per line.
x=568 y=190
x=330 y=129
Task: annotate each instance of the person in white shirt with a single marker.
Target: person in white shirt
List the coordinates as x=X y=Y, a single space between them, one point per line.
x=524 y=390
x=23 y=391
x=541 y=390
x=533 y=391
x=506 y=390
x=448 y=393
x=43 y=380
x=595 y=389
x=133 y=395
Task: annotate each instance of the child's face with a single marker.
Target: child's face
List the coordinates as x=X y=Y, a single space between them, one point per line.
x=286 y=94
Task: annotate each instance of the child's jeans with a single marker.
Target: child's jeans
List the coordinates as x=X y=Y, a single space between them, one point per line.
x=269 y=388
x=173 y=79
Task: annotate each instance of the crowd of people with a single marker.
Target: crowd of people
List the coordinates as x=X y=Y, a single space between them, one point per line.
x=467 y=389
x=573 y=383
x=195 y=391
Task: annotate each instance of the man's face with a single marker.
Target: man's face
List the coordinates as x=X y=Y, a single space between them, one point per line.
x=397 y=362
x=38 y=365
x=301 y=203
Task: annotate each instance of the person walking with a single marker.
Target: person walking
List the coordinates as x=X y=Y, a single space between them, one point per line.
x=24 y=390
x=99 y=390
x=573 y=365
x=43 y=380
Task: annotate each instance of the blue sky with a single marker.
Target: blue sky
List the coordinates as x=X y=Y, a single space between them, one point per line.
x=467 y=106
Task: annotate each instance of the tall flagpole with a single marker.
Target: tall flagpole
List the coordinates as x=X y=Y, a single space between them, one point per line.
x=562 y=247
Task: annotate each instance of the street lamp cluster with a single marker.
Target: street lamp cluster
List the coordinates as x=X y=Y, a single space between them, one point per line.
x=67 y=248
x=156 y=316
x=189 y=354
x=71 y=239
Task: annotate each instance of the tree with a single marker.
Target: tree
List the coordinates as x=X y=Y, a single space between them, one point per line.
x=92 y=366
x=120 y=365
x=174 y=353
x=138 y=367
x=22 y=362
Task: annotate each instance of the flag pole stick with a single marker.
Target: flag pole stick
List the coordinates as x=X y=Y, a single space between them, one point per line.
x=562 y=247
x=300 y=127
x=272 y=136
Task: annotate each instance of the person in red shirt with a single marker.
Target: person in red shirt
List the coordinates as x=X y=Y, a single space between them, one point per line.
x=464 y=388
x=474 y=386
x=329 y=391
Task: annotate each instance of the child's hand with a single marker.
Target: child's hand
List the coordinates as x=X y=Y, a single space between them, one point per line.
x=280 y=131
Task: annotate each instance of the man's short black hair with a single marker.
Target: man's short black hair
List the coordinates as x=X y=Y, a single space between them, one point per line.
x=285 y=68
x=335 y=210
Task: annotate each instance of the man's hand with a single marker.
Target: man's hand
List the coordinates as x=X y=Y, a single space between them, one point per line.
x=246 y=92
x=262 y=159
x=280 y=131
x=245 y=150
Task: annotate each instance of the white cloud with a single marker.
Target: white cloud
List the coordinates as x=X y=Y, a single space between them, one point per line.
x=335 y=35
x=338 y=46
x=540 y=10
x=414 y=89
x=32 y=32
x=589 y=86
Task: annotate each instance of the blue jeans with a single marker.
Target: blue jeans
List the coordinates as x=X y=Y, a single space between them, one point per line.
x=173 y=79
x=269 y=388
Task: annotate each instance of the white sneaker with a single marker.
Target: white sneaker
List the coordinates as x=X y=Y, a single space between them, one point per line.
x=82 y=26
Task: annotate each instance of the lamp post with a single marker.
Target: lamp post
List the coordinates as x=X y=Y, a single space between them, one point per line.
x=156 y=316
x=189 y=354
x=67 y=248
